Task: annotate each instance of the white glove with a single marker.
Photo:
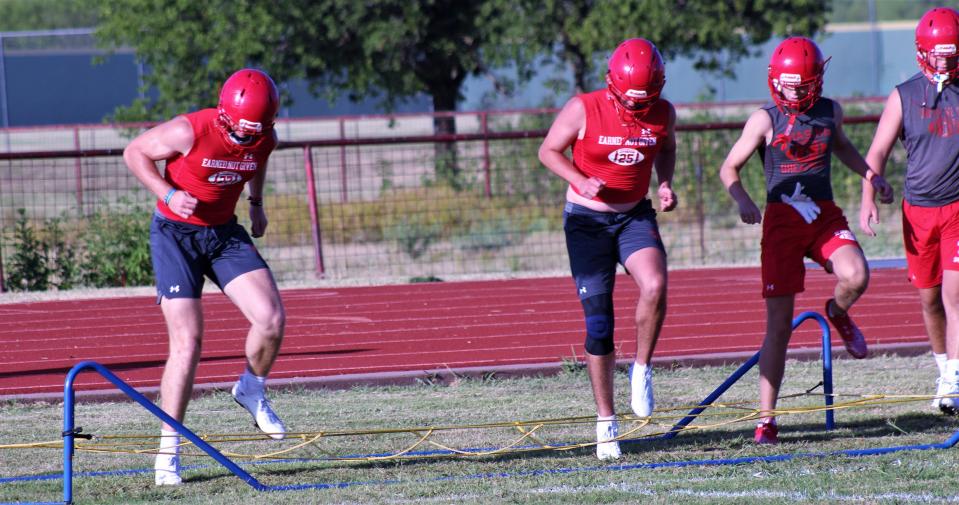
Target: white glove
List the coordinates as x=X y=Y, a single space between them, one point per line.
x=802 y=203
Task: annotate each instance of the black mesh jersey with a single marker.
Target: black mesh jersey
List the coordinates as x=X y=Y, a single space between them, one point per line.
x=930 y=134
x=800 y=151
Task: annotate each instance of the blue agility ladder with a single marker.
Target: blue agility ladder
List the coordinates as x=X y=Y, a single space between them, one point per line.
x=71 y=433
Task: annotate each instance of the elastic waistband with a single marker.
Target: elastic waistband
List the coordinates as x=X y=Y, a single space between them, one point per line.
x=190 y=226
x=644 y=205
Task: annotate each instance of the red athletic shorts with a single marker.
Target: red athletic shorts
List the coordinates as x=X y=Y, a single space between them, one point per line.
x=787 y=239
x=931 y=238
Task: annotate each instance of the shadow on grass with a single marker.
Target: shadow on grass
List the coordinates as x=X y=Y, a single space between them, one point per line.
x=725 y=443
x=715 y=444
x=912 y=424
x=127 y=366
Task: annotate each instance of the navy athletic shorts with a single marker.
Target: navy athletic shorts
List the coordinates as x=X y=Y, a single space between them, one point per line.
x=184 y=253
x=597 y=241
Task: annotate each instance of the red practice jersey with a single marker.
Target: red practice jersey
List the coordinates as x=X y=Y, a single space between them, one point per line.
x=621 y=153
x=215 y=170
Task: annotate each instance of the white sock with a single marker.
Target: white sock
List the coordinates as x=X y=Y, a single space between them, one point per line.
x=169 y=442
x=642 y=374
x=252 y=384
x=940 y=362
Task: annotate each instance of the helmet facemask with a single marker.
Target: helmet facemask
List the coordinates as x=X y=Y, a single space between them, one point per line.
x=634 y=104
x=242 y=131
x=794 y=92
x=248 y=104
x=941 y=64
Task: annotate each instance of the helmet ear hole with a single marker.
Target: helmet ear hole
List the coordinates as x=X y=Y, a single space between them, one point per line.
x=248 y=103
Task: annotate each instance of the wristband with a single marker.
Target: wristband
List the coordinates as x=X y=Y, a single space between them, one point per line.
x=169 y=195
x=255 y=202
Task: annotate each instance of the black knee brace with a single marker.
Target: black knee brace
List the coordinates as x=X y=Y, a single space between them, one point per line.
x=599 y=324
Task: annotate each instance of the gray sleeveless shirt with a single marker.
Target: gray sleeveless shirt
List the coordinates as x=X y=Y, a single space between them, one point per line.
x=803 y=156
x=930 y=134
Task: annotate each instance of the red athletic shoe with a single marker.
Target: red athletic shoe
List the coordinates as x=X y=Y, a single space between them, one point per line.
x=767 y=433
x=851 y=336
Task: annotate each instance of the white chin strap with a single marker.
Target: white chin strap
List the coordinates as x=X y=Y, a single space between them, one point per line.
x=940 y=80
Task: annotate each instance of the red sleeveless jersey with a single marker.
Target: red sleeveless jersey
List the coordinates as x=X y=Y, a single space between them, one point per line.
x=620 y=153
x=214 y=171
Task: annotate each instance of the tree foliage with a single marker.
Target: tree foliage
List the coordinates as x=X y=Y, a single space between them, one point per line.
x=716 y=34
x=28 y=268
x=397 y=49
x=391 y=49
x=190 y=47
x=857 y=11
x=24 y=15
x=402 y=48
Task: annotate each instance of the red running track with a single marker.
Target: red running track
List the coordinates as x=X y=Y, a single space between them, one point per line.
x=350 y=333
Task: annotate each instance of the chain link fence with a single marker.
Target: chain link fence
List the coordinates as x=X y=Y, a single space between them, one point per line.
x=373 y=199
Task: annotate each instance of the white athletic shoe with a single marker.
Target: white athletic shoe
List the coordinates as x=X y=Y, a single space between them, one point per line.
x=947 y=385
x=167 y=470
x=261 y=410
x=642 y=391
x=606 y=445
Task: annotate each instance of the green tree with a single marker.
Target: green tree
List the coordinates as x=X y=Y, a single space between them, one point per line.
x=393 y=50
x=857 y=11
x=717 y=34
x=396 y=49
x=404 y=48
x=23 y=15
x=387 y=49
x=191 y=47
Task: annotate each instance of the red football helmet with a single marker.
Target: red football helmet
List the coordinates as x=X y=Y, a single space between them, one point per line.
x=937 y=34
x=248 y=103
x=636 y=76
x=797 y=67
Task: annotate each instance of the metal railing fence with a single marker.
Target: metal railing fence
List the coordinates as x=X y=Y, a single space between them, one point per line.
x=374 y=205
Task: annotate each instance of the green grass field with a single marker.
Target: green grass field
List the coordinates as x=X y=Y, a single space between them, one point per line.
x=572 y=476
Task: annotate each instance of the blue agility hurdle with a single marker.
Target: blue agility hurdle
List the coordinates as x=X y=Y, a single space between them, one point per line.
x=751 y=362
x=71 y=433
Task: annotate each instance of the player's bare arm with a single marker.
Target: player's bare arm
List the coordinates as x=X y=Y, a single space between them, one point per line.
x=756 y=133
x=665 y=164
x=567 y=127
x=164 y=141
x=887 y=131
x=258 y=220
